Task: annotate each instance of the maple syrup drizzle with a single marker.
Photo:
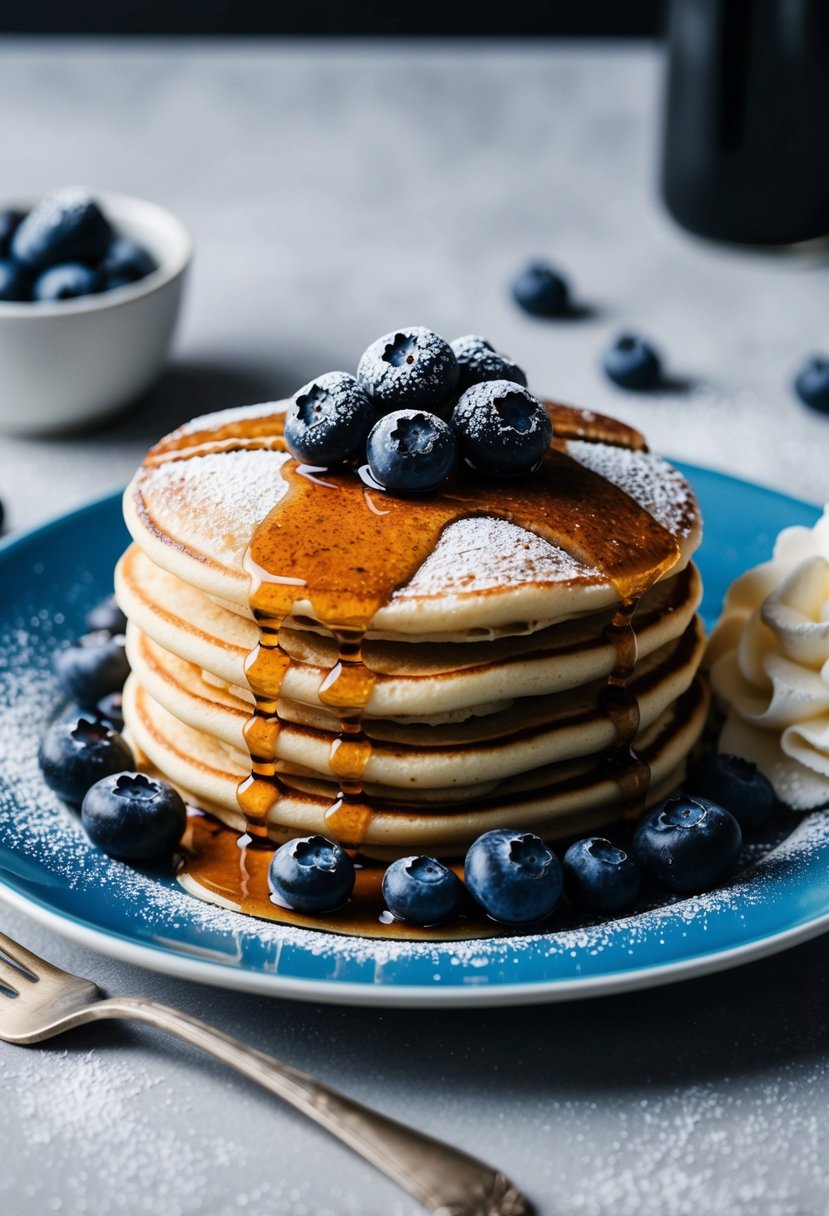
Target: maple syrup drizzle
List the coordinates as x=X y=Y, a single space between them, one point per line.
x=322 y=547
x=215 y=867
x=330 y=546
x=618 y=701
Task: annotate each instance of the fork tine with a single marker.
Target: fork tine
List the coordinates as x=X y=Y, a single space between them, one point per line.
x=32 y=966
x=11 y=980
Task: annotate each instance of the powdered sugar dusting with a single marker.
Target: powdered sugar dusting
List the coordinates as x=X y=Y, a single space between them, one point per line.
x=222 y=418
x=484 y=553
x=698 y=1149
x=225 y=494
x=103 y=1122
x=648 y=479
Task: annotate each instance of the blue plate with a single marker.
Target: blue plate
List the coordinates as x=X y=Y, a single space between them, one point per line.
x=50 y=577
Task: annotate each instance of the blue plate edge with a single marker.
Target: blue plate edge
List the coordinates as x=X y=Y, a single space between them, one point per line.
x=334 y=990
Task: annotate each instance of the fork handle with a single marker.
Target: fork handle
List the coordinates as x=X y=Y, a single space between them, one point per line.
x=445 y=1180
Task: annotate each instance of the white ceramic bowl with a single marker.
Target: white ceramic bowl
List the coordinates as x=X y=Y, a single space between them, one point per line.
x=66 y=363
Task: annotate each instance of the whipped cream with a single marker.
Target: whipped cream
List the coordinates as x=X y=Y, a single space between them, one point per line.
x=769 y=664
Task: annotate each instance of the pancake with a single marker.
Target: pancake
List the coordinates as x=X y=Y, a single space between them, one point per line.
x=194 y=507
x=415 y=680
x=310 y=654
x=555 y=798
x=530 y=732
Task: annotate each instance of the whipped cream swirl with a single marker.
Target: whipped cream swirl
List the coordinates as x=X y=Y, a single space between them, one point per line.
x=769 y=664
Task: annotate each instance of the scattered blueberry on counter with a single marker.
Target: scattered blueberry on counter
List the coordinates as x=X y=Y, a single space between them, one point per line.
x=502 y=429
x=736 y=784
x=64 y=248
x=311 y=874
x=632 y=363
x=600 y=876
x=411 y=451
x=513 y=876
x=77 y=752
x=541 y=290
x=422 y=890
x=133 y=817
x=96 y=665
x=812 y=384
x=688 y=844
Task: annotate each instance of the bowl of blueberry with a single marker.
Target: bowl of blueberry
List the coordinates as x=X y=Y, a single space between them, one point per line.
x=90 y=291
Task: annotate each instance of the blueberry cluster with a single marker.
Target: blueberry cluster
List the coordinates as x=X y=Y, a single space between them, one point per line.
x=417 y=406
x=88 y=764
x=63 y=248
x=687 y=844
x=513 y=876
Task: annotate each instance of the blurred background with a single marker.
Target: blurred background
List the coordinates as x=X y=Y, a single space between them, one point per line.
x=357 y=17
x=666 y=159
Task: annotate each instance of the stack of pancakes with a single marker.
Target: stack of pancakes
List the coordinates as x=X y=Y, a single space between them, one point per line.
x=490 y=665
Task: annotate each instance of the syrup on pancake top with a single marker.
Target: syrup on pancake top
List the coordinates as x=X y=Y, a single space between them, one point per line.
x=431 y=505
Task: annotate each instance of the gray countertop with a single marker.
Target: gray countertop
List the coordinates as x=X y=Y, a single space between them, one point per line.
x=336 y=190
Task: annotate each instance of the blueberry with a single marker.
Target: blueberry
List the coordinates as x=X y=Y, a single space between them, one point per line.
x=599 y=876
x=411 y=451
x=65 y=227
x=106 y=617
x=688 y=844
x=479 y=360
x=409 y=368
x=540 y=290
x=10 y=221
x=513 y=876
x=328 y=420
x=14 y=281
x=311 y=875
x=422 y=890
x=501 y=428
x=65 y=282
x=96 y=665
x=75 y=753
x=812 y=384
x=116 y=280
x=632 y=363
x=125 y=262
x=110 y=709
x=134 y=817
x=736 y=784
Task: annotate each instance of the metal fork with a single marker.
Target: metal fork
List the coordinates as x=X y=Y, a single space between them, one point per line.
x=39 y=1001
